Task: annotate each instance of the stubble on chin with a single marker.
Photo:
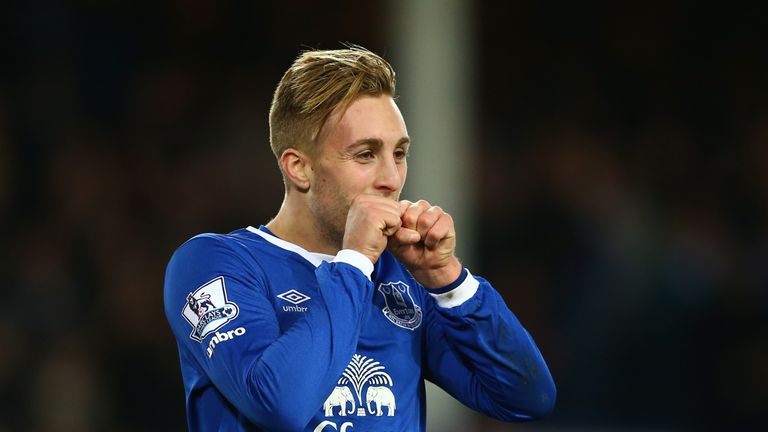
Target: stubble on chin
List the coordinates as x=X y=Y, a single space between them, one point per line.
x=331 y=219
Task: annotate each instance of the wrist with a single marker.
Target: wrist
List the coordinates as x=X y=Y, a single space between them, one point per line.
x=355 y=259
x=441 y=276
x=371 y=254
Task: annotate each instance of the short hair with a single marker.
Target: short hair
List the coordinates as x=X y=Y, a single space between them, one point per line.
x=316 y=84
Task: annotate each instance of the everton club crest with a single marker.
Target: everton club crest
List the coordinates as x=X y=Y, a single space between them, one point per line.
x=399 y=305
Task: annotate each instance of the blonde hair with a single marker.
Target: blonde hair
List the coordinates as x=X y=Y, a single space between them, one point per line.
x=315 y=85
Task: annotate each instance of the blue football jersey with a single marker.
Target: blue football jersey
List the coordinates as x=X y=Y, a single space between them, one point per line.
x=272 y=337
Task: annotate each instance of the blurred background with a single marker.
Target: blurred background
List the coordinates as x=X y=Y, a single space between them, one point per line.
x=615 y=190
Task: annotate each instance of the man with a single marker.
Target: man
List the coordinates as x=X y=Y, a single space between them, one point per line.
x=332 y=315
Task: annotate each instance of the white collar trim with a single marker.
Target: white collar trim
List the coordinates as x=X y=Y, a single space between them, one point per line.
x=313 y=257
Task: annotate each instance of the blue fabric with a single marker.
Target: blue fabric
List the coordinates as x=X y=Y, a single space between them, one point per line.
x=267 y=341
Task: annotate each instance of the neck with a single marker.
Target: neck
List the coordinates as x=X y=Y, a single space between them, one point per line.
x=294 y=223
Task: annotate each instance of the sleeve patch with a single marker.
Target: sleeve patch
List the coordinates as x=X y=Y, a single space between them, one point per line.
x=207 y=309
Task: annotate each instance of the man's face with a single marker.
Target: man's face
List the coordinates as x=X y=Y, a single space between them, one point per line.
x=363 y=152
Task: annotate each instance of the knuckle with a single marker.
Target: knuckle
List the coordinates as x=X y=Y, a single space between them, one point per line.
x=424 y=224
x=429 y=217
x=413 y=212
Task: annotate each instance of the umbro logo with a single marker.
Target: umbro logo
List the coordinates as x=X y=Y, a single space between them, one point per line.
x=295 y=297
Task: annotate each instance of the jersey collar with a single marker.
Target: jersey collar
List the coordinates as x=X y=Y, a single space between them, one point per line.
x=313 y=257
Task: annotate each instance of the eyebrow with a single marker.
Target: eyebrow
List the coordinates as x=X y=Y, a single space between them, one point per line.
x=376 y=143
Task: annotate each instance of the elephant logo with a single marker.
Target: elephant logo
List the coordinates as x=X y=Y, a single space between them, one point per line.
x=362 y=376
x=399 y=305
x=380 y=396
x=339 y=398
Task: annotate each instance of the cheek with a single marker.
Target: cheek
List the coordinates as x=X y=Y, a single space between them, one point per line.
x=353 y=180
x=343 y=182
x=325 y=177
x=335 y=190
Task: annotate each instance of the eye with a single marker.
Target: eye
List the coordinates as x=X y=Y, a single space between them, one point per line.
x=365 y=155
x=401 y=154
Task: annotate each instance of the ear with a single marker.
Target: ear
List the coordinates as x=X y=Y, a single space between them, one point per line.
x=297 y=167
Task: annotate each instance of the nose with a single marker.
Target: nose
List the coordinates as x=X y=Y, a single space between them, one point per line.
x=389 y=178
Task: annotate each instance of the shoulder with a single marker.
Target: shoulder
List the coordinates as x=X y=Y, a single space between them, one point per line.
x=213 y=249
x=216 y=267
x=208 y=243
x=209 y=255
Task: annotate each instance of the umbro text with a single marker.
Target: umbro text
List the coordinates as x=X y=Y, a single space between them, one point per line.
x=220 y=337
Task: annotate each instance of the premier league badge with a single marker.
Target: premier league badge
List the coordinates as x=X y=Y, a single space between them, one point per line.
x=399 y=305
x=207 y=309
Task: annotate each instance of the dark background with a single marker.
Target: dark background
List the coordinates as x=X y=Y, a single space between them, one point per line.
x=621 y=170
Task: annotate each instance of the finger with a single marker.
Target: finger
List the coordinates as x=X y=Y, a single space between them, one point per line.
x=404 y=204
x=376 y=200
x=441 y=230
x=385 y=211
x=406 y=236
x=391 y=223
x=390 y=214
x=427 y=219
x=413 y=212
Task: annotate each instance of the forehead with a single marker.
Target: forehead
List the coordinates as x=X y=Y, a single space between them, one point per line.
x=376 y=117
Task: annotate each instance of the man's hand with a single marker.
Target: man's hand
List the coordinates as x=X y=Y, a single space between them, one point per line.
x=425 y=243
x=370 y=221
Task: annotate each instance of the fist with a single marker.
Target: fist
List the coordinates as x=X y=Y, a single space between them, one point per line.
x=370 y=221
x=425 y=243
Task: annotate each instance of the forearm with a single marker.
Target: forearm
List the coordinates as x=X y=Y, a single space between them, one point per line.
x=509 y=378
